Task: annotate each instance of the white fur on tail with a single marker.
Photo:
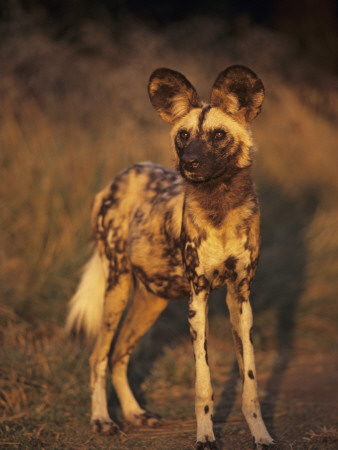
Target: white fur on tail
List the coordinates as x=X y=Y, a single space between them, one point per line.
x=86 y=306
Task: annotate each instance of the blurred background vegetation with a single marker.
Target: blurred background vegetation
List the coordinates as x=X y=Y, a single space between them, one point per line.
x=74 y=111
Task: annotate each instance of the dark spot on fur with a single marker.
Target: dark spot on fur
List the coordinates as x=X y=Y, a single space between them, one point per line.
x=206 y=409
x=191 y=313
x=112 y=280
x=242 y=282
x=251 y=268
x=193 y=334
x=191 y=261
x=191 y=256
x=206 y=351
x=120 y=245
x=170 y=286
x=255 y=415
x=251 y=335
x=203 y=282
x=251 y=375
x=168 y=224
x=138 y=216
x=108 y=326
x=201 y=118
x=241 y=299
x=232 y=276
x=230 y=263
x=200 y=283
x=172 y=254
x=238 y=342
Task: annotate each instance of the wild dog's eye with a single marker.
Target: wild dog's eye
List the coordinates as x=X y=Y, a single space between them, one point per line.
x=218 y=135
x=184 y=135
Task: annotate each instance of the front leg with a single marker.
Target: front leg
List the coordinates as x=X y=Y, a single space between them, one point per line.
x=241 y=321
x=203 y=391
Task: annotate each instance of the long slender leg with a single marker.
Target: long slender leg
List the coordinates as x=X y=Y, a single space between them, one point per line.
x=241 y=321
x=204 y=403
x=115 y=302
x=144 y=310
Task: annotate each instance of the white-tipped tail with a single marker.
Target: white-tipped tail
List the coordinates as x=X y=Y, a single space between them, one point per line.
x=86 y=306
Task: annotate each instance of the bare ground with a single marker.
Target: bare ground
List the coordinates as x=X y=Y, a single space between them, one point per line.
x=299 y=407
x=299 y=403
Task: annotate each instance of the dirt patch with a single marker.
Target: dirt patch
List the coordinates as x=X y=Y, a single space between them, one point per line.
x=299 y=406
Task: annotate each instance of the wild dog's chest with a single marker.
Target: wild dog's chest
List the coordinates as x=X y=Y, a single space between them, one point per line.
x=213 y=253
x=223 y=254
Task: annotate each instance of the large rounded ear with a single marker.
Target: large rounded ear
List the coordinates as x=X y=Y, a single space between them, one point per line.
x=239 y=92
x=171 y=94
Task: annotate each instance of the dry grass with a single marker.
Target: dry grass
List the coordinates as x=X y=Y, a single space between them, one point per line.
x=73 y=112
x=322 y=435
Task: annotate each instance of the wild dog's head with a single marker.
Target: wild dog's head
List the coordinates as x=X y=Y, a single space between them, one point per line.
x=209 y=140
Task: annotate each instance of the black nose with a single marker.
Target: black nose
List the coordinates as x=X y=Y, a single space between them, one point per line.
x=190 y=165
x=190 y=157
x=189 y=162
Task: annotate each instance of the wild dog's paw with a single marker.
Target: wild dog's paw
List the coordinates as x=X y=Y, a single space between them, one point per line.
x=145 y=419
x=264 y=443
x=208 y=444
x=106 y=427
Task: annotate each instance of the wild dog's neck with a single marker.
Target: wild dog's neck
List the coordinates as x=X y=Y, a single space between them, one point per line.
x=215 y=198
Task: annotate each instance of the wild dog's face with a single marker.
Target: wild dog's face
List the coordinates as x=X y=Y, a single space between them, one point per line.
x=209 y=140
x=208 y=143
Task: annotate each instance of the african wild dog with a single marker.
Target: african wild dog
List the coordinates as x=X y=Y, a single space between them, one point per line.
x=178 y=234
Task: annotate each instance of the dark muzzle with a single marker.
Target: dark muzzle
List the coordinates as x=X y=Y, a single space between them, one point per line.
x=190 y=159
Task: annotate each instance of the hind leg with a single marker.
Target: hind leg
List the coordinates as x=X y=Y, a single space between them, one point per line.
x=144 y=310
x=115 y=302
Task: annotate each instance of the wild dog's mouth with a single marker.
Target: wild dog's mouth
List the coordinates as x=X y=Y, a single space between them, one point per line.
x=198 y=174
x=193 y=178
x=191 y=171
